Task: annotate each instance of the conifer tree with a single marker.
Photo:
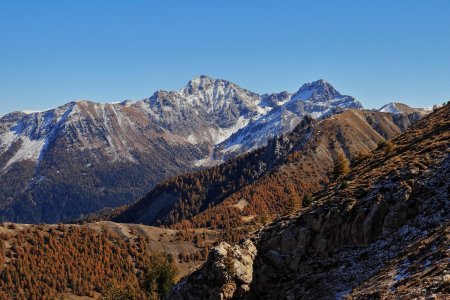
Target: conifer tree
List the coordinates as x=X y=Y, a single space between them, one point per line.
x=341 y=166
x=307 y=200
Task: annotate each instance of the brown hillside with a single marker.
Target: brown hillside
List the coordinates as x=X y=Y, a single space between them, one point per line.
x=306 y=170
x=262 y=184
x=46 y=261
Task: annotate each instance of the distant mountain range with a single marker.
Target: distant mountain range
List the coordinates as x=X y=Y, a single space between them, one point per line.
x=78 y=158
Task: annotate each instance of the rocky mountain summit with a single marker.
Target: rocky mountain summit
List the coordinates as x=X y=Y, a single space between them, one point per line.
x=380 y=232
x=78 y=158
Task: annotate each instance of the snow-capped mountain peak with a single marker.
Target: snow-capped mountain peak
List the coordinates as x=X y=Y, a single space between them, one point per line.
x=316 y=99
x=217 y=93
x=318 y=90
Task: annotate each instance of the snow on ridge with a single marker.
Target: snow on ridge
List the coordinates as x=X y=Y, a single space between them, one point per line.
x=29 y=149
x=390 y=108
x=29 y=111
x=34 y=144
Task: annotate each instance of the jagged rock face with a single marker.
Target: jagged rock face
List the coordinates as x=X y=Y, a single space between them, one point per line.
x=318 y=91
x=227 y=274
x=210 y=110
x=382 y=232
x=66 y=162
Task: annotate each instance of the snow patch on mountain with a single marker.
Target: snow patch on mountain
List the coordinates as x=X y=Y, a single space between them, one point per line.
x=29 y=149
x=34 y=132
x=29 y=111
x=206 y=162
x=223 y=133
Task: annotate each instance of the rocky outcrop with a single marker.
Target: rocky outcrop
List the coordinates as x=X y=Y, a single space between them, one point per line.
x=227 y=273
x=337 y=246
x=381 y=232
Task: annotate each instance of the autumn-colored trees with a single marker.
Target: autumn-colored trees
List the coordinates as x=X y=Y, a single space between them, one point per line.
x=44 y=261
x=116 y=291
x=341 y=166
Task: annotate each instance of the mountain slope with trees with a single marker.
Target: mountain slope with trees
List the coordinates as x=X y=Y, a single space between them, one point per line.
x=379 y=232
x=96 y=260
x=269 y=181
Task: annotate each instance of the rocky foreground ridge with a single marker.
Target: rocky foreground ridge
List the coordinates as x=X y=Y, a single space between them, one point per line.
x=380 y=232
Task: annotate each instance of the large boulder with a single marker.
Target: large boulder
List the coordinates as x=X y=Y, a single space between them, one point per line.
x=227 y=273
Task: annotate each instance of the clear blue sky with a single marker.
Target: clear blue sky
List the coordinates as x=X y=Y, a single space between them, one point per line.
x=53 y=52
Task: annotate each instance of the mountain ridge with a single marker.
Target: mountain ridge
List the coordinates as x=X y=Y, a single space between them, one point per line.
x=85 y=150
